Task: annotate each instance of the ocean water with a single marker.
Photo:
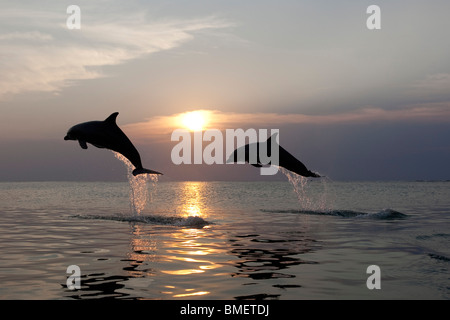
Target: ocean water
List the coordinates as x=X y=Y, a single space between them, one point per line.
x=292 y=239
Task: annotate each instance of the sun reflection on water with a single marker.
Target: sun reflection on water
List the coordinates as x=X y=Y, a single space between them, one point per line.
x=193 y=253
x=190 y=294
x=193 y=200
x=189 y=251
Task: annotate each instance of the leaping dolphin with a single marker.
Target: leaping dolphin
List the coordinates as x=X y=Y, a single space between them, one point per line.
x=106 y=134
x=286 y=160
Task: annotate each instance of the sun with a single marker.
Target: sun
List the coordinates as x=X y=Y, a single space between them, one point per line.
x=194 y=120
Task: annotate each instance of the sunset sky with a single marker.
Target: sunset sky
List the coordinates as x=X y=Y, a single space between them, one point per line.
x=351 y=103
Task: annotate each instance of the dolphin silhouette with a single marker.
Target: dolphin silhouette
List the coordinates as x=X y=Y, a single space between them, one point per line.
x=285 y=159
x=106 y=134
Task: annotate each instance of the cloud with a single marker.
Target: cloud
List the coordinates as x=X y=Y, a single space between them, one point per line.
x=159 y=128
x=44 y=55
x=34 y=36
x=432 y=85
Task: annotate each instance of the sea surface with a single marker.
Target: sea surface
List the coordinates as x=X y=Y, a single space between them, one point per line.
x=292 y=239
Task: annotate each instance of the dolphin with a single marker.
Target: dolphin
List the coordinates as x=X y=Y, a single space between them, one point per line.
x=285 y=159
x=106 y=134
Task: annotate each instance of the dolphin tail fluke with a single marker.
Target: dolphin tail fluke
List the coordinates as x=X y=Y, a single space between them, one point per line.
x=143 y=170
x=315 y=175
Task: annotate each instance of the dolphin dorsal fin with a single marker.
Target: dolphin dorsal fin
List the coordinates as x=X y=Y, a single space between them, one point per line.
x=112 y=118
x=270 y=138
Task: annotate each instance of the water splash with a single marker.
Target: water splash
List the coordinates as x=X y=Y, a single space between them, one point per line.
x=140 y=194
x=311 y=196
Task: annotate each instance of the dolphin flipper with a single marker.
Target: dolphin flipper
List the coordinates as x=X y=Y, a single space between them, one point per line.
x=257 y=165
x=83 y=144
